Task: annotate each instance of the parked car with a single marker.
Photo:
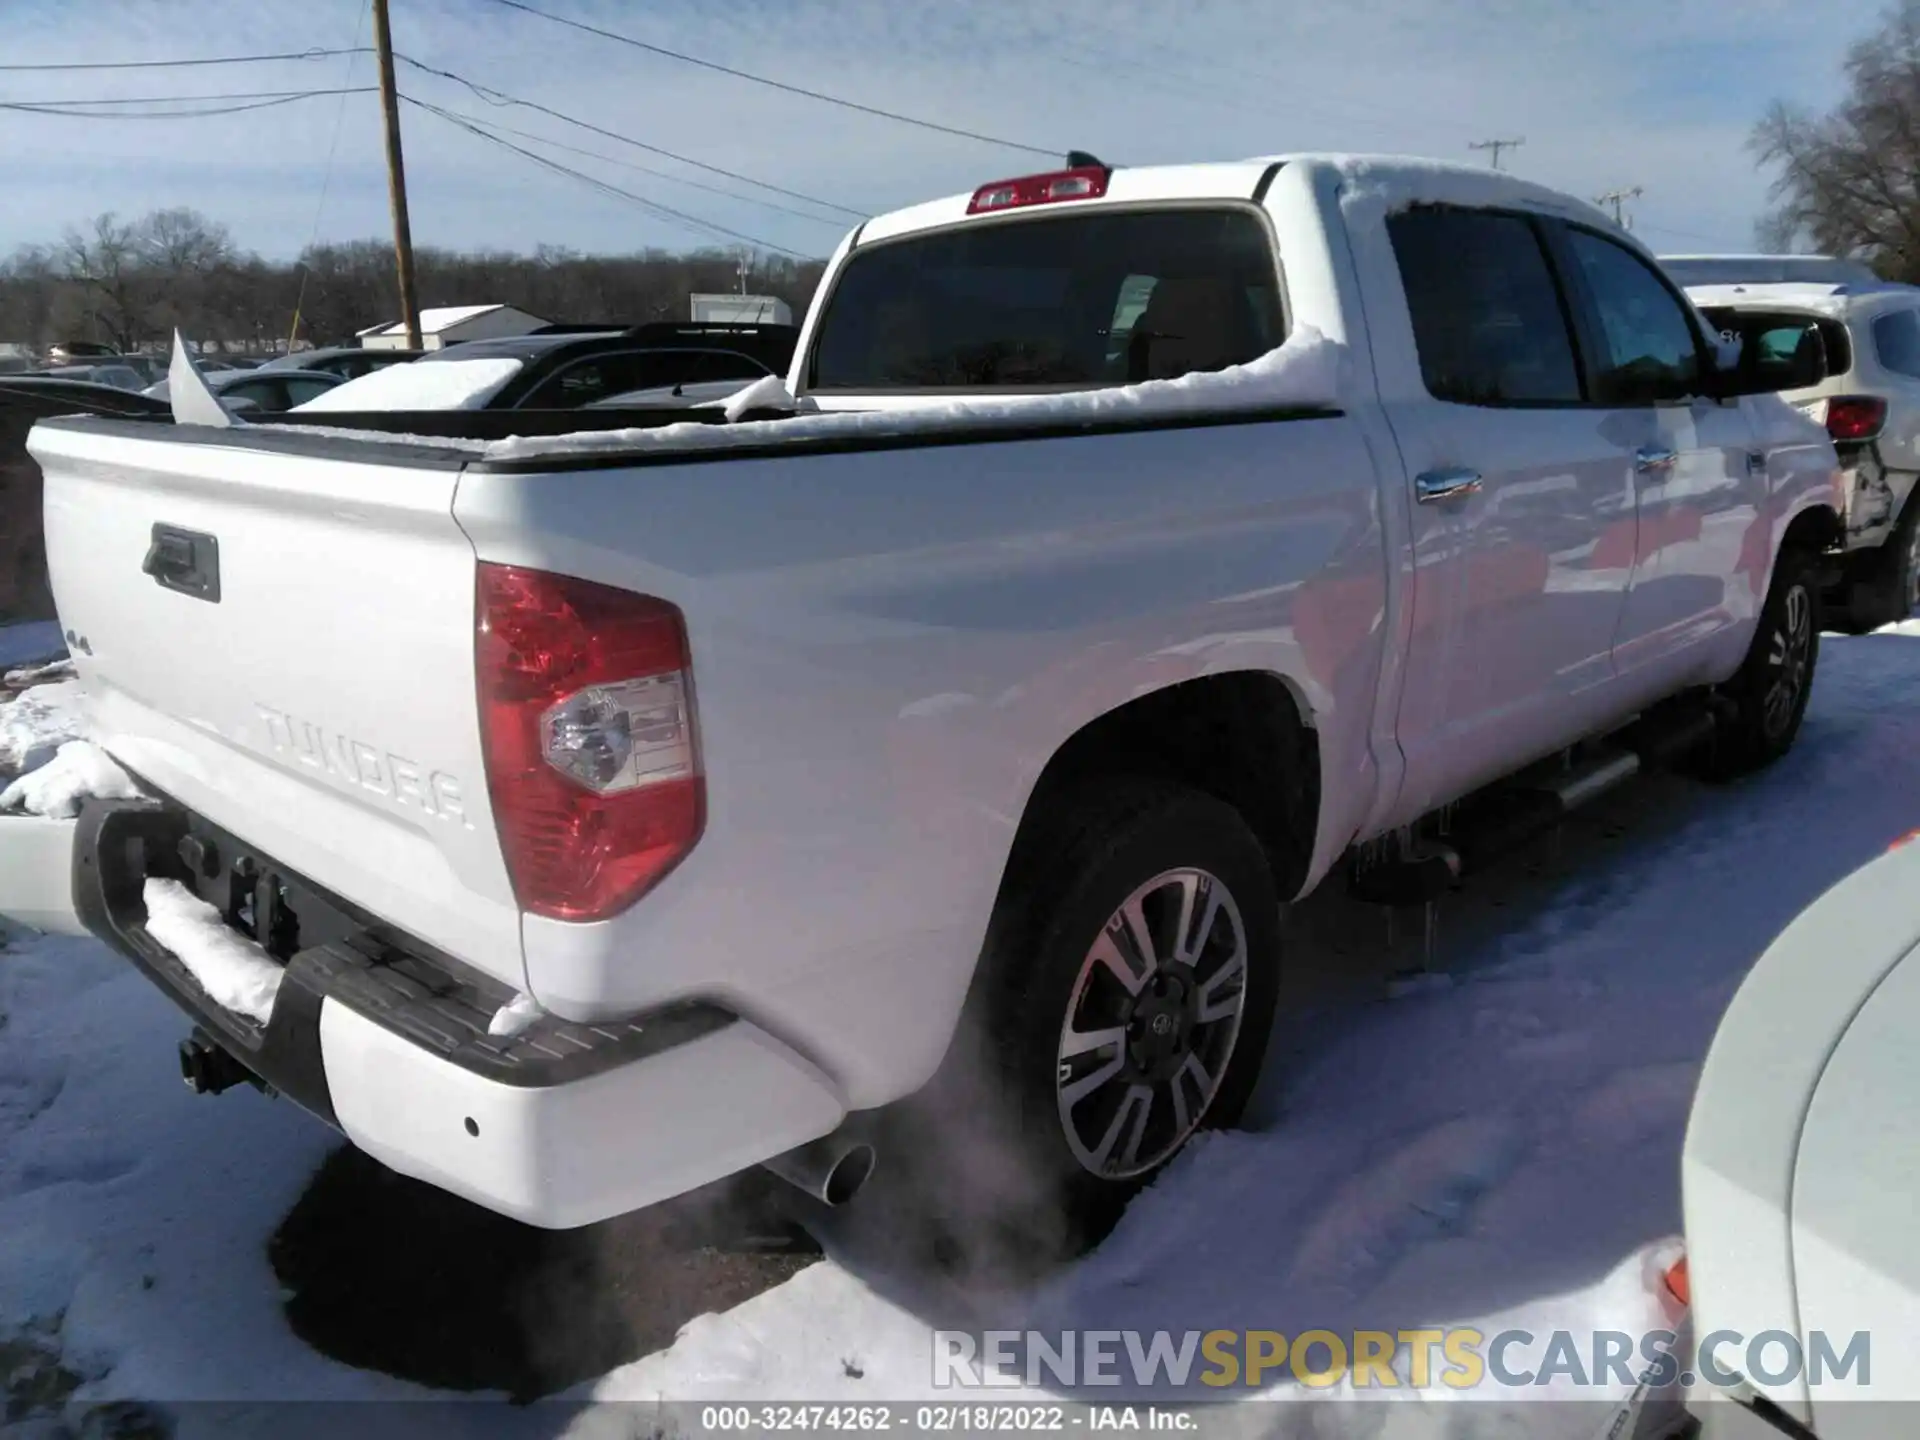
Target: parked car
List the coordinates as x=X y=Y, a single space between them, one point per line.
x=25 y=399
x=1801 y=1170
x=109 y=373
x=349 y=362
x=922 y=778
x=1690 y=270
x=563 y=369
x=264 y=390
x=1870 y=404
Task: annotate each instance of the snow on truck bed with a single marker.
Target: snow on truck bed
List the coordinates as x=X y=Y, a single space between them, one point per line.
x=1308 y=371
x=1498 y=1147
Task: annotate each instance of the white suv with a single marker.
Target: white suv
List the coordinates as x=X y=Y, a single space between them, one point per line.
x=1870 y=404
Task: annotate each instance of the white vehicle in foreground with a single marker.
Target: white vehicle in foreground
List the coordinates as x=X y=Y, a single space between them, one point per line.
x=1870 y=404
x=607 y=813
x=1801 y=1173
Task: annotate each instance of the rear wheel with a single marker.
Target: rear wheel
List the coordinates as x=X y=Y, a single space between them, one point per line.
x=1768 y=695
x=1124 y=1004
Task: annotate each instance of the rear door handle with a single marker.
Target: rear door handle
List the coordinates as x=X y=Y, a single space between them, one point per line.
x=1654 y=459
x=1437 y=485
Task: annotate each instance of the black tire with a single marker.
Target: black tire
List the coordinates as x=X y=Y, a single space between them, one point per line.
x=1767 y=698
x=988 y=1134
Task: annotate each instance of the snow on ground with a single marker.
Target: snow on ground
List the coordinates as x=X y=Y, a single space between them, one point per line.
x=37 y=722
x=1498 y=1146
x=78 y=769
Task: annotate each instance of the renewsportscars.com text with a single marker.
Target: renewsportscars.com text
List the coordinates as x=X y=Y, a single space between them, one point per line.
x=1459 y=1358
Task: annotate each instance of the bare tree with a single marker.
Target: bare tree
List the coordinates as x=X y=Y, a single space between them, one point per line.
x=1848 y=182
x=130 y=282
x=105 y=262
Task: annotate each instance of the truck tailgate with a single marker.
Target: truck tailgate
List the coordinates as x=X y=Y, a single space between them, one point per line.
x=285 y=644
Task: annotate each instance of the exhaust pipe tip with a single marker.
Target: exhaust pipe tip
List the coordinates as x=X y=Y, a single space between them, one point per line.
x=849 y=1175
x=831 y=1170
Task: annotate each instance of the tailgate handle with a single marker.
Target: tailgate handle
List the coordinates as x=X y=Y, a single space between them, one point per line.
x=186 y=561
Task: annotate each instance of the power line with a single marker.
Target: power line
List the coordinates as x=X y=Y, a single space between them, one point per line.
x=781 y=85
x=184 y=64
x=682 y=217
x=649 y=170
x=353 y=54
x=183 y=99
x=501 y=99
x=266 y=101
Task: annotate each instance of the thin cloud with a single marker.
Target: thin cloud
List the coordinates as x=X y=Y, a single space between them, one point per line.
x=1658 y=93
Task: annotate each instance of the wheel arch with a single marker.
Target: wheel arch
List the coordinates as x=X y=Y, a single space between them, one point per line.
x=1815 y=529
x=1246 y=737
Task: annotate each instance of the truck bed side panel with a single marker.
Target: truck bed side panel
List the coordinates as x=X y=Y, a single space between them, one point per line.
x=889 y=642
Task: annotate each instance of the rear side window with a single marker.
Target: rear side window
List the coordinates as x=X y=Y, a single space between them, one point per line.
x=302 y=388
x=1103 y=298
x=1653 y=351
x=1487 y=316
x=1896 y=340
x=1771 y=336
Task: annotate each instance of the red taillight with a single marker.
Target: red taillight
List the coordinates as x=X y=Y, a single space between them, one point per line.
x=586 y=717
x=1086 y=182
x=1675 y=1281
x=1855 y=417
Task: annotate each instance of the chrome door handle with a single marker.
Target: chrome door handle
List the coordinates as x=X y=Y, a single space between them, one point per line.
x=1653 y=459
x=1445 y=485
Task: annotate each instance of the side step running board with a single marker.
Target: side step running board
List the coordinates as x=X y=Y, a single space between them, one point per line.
x=1507 y=816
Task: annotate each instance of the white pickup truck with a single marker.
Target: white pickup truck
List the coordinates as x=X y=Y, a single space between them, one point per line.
x=627 y=809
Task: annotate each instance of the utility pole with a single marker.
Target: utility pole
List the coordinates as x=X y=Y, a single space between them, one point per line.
x=1618 y=199
x=396 y=173
x=1496 y=146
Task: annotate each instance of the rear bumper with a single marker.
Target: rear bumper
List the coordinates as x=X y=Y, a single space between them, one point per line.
x=559 y=1125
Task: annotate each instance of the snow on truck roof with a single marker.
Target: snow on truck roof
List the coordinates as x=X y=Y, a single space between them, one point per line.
x=1822 y=298
x=1396 y=180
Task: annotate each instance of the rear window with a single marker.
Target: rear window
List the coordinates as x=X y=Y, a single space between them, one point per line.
x=1108 y=298
x=1775 y=332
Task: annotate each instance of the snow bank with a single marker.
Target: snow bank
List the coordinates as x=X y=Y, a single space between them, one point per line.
x=233 y=971
x=421 y=385
x=1308 y=370
x=79 y=769
x=37 y=722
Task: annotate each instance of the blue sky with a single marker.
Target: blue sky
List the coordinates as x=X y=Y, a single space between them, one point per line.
x=1656 y=93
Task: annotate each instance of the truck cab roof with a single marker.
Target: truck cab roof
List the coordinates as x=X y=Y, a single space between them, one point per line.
x=1248 y=180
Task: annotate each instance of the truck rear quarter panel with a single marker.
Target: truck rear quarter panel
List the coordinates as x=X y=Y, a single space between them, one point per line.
x=889 y=643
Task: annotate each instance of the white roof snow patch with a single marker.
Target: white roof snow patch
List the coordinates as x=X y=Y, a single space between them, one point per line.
x=438 y=319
